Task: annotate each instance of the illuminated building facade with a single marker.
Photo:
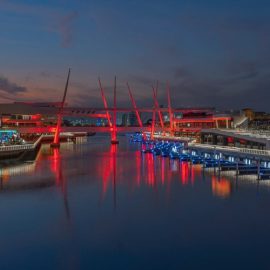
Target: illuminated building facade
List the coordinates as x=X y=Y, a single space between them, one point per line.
x=190 y=122
x=20 y=114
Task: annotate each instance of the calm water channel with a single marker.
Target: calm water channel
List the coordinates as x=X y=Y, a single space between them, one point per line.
x=96 y=206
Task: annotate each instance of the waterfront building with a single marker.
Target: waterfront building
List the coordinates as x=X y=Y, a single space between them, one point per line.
x=235 y=138
x=190 y=122
x=27 y=114
x=257 y=120
x=20 y=114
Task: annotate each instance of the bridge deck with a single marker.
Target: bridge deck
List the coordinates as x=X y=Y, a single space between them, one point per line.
x=88 y=129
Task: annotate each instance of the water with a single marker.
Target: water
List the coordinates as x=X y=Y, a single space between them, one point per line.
x=97 y=206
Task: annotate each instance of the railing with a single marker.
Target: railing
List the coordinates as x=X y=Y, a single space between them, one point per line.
x=11 y=148
x=241 y=122
x=256 y=152
x=168 y=137
x=44 y=130
x=28 y=146
x=248 y=133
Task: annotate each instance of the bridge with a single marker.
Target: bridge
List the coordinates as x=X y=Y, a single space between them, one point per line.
x=189 y=125
x=108 y=113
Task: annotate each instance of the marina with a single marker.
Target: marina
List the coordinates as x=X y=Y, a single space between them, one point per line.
x=134 y=135
x=135 y=196
x=240 y=161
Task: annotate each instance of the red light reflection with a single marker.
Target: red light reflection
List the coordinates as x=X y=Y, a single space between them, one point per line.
x=56 y=167
x=150 y=169
x=107 y=169
x=221 y=187
x=184 y=172
x=162 y=171
x=138 y=167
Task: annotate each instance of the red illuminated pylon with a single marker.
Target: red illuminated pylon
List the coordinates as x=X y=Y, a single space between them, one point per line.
x=153 y=119
x=105 y=103
x=170 y=108
x=157 y=106
x=114 y=136
x=134 y=106
x=59 y=116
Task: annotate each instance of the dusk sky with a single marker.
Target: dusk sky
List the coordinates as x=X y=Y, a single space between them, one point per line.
x=213 y=53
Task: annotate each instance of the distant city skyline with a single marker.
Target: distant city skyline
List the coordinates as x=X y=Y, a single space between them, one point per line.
x=213 y=53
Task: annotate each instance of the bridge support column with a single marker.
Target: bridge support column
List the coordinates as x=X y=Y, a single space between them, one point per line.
x=114 y=138
x=158 y=110
x=237 y=166
x=114 y=132
x=56 y=140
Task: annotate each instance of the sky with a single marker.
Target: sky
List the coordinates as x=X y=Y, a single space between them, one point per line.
x=212 y=53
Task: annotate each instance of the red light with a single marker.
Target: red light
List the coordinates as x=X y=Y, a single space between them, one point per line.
x=150 y=170
x=221 y=187
x=35 y=117
x=52 y=129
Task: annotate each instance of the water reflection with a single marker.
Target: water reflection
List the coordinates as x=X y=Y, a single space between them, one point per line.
x=60 y=180
x=157 y=212
x=174 y=164
x=56 y=166
x=109 y=166
x=149 y=169
x=221 y=187
x=107 y=170
x=113 y=151
x=9 y=173
x=138 y=168
x=19 y=169
x=184 y=173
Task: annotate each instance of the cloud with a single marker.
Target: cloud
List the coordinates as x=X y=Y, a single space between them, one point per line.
x=181 y=72
x=248 y=86
x=65 y=28
x=10 y=87
x=49 y=18
x=51 y=75
x=142 y=80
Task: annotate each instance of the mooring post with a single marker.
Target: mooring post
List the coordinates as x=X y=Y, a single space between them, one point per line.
x=214 y=163
x=258 y=169
x=219 y=165
x=237 y=166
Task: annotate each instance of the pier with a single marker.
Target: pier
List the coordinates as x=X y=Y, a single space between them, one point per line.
x=241 y=161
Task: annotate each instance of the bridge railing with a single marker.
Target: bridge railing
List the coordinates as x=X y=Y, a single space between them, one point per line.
x=255 y=152
x=162 y=137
